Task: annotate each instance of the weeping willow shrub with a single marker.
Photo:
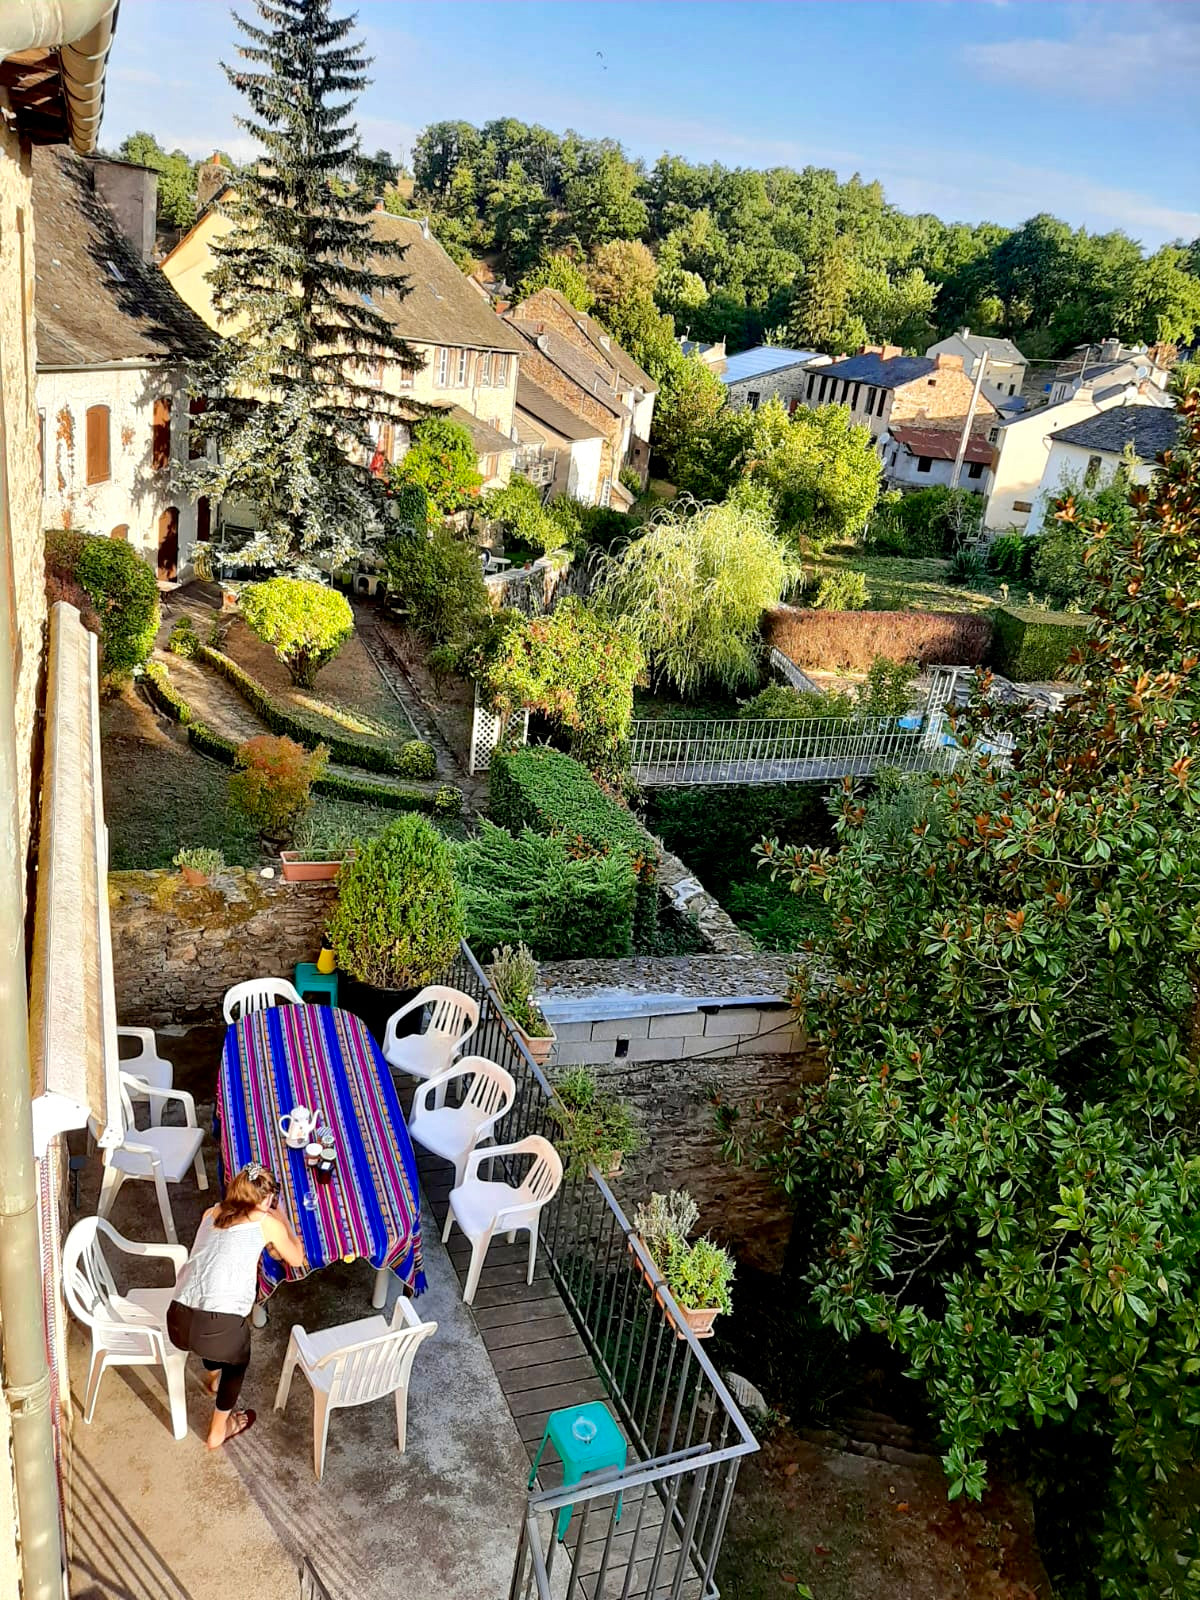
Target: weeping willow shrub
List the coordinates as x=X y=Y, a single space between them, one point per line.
x=694 y=588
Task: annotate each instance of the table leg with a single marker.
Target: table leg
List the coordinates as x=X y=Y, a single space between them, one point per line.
x=379 y=1293
x=258 y=1317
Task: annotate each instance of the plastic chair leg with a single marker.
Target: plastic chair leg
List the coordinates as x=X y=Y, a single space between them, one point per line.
x=110 y=1185
x=174 y=1366
x=95 y=1373
x=401 y=1418
x=533 y=1239
x=479 y=1250
x=201 y=1174
x=284 y=1387
x=320 y=1431
x=164 y=1206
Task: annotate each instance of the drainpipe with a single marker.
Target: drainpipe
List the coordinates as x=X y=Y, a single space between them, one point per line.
x=26 y=1371
x=81 y=31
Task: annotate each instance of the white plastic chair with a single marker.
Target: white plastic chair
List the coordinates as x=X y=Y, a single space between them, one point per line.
x=483 y=1207
x=162 y=1155
x=353 y=1364
x=147 y=1065
x=452 y=1020
x=452 y=1132
x=258 y=994
x=128 y=1330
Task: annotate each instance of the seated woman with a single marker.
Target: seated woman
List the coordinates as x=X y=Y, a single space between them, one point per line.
x=210 y=1313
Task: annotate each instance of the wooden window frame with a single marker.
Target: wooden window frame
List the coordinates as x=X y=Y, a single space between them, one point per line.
x=98 y=456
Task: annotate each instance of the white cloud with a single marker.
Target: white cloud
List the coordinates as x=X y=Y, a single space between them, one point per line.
x=1115 y=65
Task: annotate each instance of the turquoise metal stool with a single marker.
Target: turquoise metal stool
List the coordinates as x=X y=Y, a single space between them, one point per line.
x=587 y=1439
x=310 y=981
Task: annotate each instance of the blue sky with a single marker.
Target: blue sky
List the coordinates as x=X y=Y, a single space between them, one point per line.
x=970 y=108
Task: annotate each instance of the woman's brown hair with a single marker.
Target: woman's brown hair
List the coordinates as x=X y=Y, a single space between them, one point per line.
x=248 y=1189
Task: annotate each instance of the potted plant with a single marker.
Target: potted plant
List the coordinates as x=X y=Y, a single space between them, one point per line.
x=319 y=848
x=197 y=864
x=398 y=920
x=598 y=1129
x=514 y=975
x=699 y=1275
x=662 y=1218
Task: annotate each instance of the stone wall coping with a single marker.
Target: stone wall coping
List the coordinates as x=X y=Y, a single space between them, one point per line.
x=598 y=1005
x=708 y=977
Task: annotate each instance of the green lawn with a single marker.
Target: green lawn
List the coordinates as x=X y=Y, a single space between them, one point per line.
x=904 y=583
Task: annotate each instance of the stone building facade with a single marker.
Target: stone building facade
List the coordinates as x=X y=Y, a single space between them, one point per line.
x=881 y=386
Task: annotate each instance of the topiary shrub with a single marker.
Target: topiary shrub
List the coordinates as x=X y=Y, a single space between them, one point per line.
x=1032 y=646
x=121 y=587
x=183 y=640
x=273 y=783
x=551 y=793
x=841 y=591
x=399 y=917
x=306 y=624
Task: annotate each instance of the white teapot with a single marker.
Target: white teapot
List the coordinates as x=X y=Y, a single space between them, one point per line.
x=298 y=1126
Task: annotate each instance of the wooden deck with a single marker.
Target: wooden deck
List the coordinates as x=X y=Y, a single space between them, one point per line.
x=543 y=1365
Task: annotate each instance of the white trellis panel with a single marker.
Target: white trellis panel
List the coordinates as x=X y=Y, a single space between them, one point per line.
x=487 y=728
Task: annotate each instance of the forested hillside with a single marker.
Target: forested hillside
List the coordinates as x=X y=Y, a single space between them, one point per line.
x=798 y=256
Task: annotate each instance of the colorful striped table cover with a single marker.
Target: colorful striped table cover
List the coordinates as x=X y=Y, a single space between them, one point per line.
x=324 y=1059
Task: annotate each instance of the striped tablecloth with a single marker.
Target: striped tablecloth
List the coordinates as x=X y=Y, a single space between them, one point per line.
x=324 y=1059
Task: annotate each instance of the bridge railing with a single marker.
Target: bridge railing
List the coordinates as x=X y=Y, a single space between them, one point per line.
x=770 y=750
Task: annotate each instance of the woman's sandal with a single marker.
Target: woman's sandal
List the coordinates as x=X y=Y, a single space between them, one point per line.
x=239 y=1422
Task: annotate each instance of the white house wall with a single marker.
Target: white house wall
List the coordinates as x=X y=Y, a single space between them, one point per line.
x=135 y=494
x=583 y=470
x=1067 y=465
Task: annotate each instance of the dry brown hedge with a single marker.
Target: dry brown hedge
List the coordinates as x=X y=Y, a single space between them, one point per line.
x=852 y=639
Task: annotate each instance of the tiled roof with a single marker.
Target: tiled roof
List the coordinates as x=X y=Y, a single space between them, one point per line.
x=486 y=439
x=893 y=373
x=980 y=344
x=941 y=443
x=602 y=342
x=97 y=300
x=551 y=413
x=1147 y=428
x=588 y=375
x=764 y=358
x=442 y=307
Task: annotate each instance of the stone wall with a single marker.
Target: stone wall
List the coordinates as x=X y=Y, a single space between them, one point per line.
x=785 y=383
x=176 y=950
x=577 y=400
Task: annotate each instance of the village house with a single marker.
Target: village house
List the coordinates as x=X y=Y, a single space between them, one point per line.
x=920 y=458
x=767 y=372
x=1109 y=365
x=57 y=1036
x=557 y=450
x=712 y=356
x=1004 y=372
x=571 y=357
x=114 y=342
x=1089 y=454
x=470 y=355
x=883 y=387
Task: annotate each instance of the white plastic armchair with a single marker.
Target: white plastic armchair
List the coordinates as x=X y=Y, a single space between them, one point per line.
x=484 y=1207
x=130 y=1329
x=258 y=994
x=160 y=1155
x=354 y=1364
x=453 y=1018
x=147 y=1065
x=453 y=1131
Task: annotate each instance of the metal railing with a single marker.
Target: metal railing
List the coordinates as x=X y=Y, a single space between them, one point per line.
x=536 y=463
x=766 y=750
x=653 y=1528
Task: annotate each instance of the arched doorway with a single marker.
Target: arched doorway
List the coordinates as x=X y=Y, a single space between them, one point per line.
x=168 y=544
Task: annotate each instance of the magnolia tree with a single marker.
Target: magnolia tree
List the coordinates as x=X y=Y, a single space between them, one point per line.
x=693 y=589
x=1001 y=1169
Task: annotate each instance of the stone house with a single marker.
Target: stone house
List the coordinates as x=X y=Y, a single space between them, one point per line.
x=883 y=386
x=470 y=355
x=1107 y=365
x=558 y=450
x=1021 y=444
x=1091 y=451
x=767 y=372
x=590 y=362
x=1004 y=375
x=114 y=345
x=920 y=458
x=55 y=1064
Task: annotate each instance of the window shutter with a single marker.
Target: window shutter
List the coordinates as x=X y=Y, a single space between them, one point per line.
x=160 y=434
x=99 y=463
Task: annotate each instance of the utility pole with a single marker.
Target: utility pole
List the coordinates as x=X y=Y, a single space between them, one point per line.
x=970 y=417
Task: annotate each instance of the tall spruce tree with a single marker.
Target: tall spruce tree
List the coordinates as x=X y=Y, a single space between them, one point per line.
x=289 y=397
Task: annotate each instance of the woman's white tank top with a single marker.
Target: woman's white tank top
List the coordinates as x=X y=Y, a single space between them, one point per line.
x=221 y=1274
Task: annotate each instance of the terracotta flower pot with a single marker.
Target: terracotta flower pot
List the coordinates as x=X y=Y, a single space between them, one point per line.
x=610 y=1163
x=700 y=1320
x=539 y=1046
x=193 y=877
x=297 y=870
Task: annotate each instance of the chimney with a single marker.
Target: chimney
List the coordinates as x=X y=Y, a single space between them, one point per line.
x=211 y=177
x=1110 y=350
x=131 y=193
x=942 y=360
x=889 y=352
x=964 y=333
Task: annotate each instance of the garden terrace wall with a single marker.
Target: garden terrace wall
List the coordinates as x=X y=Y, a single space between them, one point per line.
x=852 y=639
x=177 y=949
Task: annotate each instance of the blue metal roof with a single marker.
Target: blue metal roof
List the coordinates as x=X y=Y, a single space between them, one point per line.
x=762 y=359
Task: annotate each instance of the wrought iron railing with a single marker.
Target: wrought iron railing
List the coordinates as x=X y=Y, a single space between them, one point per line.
x=766 y=750
x=655 y=1527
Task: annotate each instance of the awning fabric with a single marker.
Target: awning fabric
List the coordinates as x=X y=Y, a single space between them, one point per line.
x=72 y=1007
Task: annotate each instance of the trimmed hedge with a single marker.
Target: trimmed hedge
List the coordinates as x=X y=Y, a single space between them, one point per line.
x=446 y=801
x=1033 y=646
x=852 y=639
x=553 y=793
x=414 y=759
